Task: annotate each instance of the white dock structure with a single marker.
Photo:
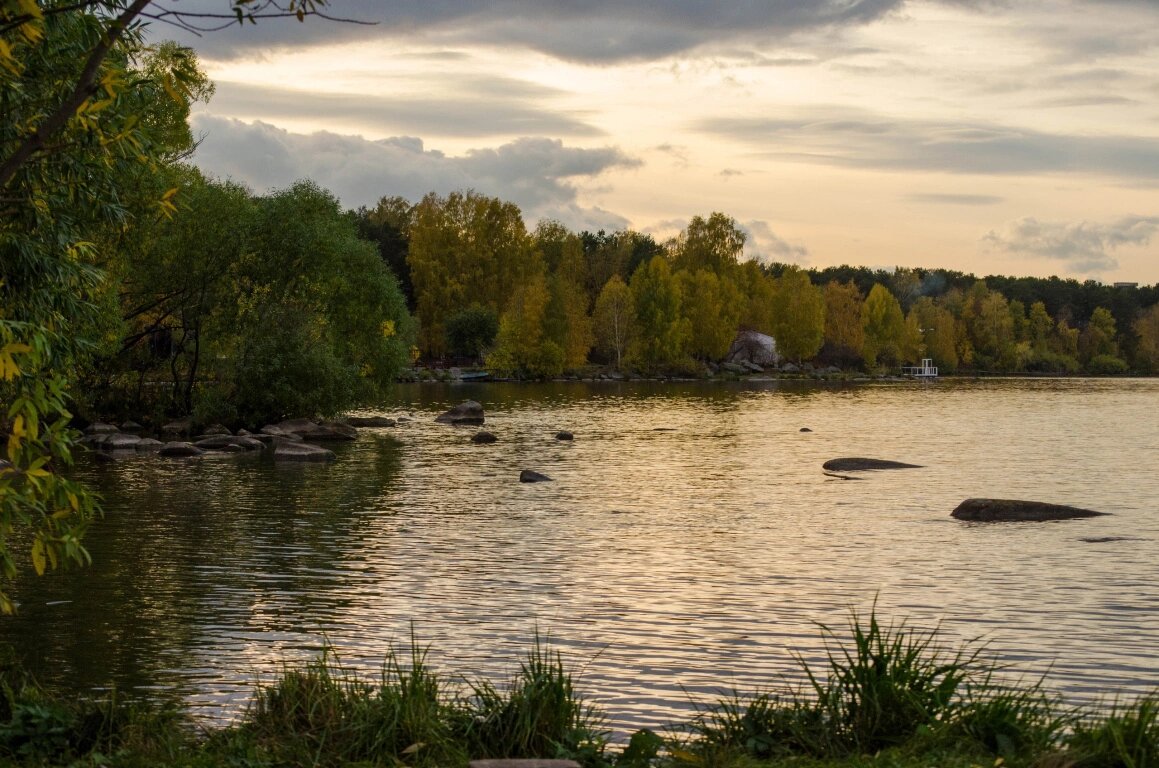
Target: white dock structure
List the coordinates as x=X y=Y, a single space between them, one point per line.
x=927 y=370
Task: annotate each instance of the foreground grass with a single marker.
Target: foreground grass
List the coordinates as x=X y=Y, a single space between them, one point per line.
x=887 y=696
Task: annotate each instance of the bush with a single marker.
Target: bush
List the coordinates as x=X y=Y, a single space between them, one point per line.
x=1106 y=365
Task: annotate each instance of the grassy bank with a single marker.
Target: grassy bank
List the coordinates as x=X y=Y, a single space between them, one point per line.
x=887 y=695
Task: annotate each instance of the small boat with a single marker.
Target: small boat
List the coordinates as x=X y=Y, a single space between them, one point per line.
x=475 y=375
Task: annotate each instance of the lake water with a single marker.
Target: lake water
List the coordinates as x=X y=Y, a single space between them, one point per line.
x=690 y=543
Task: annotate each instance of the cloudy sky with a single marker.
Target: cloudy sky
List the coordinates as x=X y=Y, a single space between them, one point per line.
x=994 y=136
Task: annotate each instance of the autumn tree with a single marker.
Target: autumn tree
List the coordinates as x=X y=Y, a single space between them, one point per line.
x=615 y=319
x=756 y=289
x=884 y=327
x=465 y=249
x=798 y=315
x=937 y=329
x=521 y=346
x=844 y=333
x=567 y=321
x=1147 y=328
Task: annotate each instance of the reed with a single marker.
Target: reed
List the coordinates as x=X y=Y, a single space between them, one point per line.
x=1128 y=737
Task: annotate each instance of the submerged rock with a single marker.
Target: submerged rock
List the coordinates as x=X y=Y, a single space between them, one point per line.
x=859 y=464
x=1004 y=510
x=483 y=438
x=179 y=449
x=369 y=421
x=469 y=412
x=528 y=476
x=288 y=450
x=563 y=434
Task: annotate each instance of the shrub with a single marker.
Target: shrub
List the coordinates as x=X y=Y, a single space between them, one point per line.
x=1106 y=365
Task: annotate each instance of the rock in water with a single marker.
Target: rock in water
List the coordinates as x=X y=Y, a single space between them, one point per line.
x=483 y=438
x=527 y=476
x=369 y=421
x=180 y=449
x=1003 y=510
x=468 y=412
x=288 y=450
x=856 y=464
x=563 y=434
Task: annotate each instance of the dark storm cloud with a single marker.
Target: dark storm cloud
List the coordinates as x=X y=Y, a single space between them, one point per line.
x=477 y=106
x=1082 y=246
x=536 y=174
x=580 y=30
x=860 y=140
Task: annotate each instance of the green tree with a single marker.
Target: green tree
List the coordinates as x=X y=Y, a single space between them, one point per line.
x=884 y=327
x=471 y=331
x=317 y=321
x=615 y=318
x=662 y=332
x=799 y=315
x=711 y=306
x=567 y=322
x=1098 y=338
x=714 y=244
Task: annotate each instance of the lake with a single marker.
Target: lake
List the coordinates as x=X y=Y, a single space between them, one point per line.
x=689 y=545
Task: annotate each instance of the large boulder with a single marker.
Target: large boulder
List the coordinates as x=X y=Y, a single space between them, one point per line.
x=1005 y=510
x=468 y=412
x=858 y=464
x=288 y=450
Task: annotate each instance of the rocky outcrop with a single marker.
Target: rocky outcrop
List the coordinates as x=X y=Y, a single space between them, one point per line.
x=483 y=438
x=528 y=476
x=859 y=464
x=469 y=412
x=288 y=450
x=1014 y=510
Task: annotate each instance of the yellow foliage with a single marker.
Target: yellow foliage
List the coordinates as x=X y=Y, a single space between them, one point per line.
x=8 y=367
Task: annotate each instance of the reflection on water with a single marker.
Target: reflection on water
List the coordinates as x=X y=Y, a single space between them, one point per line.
x=688 y=544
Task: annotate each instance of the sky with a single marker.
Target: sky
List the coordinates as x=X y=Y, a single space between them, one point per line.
x=1015 y=137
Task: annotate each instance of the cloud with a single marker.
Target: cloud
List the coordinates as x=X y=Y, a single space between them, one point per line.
x=590 y=31
x=763 y=244
x=539 y=175
x=857 y=139
x=478 y=106
x=950 y=198
x=1083 y=246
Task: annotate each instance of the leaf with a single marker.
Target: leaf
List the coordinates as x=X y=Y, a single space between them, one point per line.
x=413 y=748
x=39 y=557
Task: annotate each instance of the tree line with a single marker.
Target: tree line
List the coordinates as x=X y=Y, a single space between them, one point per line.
x=539 y=302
